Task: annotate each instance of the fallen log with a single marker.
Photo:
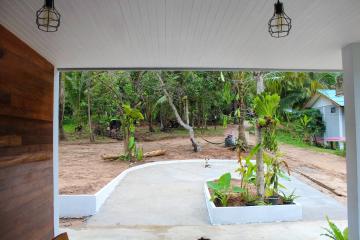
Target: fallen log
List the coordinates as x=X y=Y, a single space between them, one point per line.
x=146 y=155
x=110 y=157
x=155 y=153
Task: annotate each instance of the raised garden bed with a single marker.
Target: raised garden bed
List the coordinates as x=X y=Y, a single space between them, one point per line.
x=250 y=214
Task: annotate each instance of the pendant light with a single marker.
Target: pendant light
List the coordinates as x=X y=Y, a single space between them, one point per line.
x=280 y=23
x=47 y=17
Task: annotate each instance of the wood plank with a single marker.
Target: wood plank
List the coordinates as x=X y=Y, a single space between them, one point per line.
x=26 y=167
x=25 y=127
x=9 y=42
x=12 y=151
x=4 y=97
x=34 y=203
x=25 y=158
x=10 y=141
x=25 y=68
x=24 y=173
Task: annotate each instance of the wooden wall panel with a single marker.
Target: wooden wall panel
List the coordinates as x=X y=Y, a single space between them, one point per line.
x=26 y=171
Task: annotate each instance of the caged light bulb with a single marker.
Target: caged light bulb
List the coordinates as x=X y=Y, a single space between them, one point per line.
x=48 y=18
x=280 y=23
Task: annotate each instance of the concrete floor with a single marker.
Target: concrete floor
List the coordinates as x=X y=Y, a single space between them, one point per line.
x=275 y=231
x=167 y=202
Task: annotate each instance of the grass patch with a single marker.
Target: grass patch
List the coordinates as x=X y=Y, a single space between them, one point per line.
x=286 y=137
x=142 y=133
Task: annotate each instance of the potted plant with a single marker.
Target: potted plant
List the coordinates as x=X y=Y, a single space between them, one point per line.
x=273 y=174
x=289 y=199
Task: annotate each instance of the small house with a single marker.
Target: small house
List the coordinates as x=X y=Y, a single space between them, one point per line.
x=331 y=106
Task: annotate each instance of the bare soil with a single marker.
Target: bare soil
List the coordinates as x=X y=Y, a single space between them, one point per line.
x=83 y=171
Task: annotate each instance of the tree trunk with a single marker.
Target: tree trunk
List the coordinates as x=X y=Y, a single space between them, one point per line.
x=260 y=174
x=126 y=141
x=243 y=144
x=195 y=145
x=260 y=86
x=150 y=122
x=187 y=111
x=148 y=111
x=92 y=138
x=161 y=120
x=62 y=106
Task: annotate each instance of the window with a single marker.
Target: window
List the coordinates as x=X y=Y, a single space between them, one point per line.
x=333 y=110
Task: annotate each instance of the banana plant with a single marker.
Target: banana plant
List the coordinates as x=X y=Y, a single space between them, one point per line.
x=129 y=119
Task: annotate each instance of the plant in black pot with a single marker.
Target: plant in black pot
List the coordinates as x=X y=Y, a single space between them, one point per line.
x=274 y=172
x=290 y=198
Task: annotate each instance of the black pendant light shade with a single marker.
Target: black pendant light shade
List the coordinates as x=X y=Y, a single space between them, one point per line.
x=48 y=18
x=280 y=23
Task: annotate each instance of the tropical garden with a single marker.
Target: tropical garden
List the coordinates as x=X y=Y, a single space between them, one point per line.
x=98 y=104
x=124 y=105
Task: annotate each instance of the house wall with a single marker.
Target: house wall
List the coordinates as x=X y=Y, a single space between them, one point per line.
x=26 y=168
x=322 y=102
x=333 y=120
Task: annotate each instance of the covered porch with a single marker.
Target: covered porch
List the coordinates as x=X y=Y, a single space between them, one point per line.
x=153 y=35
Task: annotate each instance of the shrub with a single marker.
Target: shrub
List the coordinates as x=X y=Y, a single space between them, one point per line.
x=308 y=124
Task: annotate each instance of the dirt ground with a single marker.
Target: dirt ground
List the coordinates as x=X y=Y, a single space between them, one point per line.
x=82 y=170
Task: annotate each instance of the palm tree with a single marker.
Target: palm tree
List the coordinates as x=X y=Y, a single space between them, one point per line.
x=295 y=88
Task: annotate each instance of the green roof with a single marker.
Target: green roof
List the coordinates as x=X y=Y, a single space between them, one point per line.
x=331 y=94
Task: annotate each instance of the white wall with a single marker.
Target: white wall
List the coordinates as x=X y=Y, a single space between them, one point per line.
x=333 y=121
x=321 y=102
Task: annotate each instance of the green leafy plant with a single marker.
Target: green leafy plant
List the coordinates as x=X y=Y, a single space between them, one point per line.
x=302 y=128
x=265 y=107
x=129 y=119
x=333 y=232
x=247 y=169
x=289 y=198
x=308 y=124
x=274 y=172
x=222 y=189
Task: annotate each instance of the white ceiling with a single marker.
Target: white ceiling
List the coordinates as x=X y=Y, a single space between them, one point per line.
x=187 y=33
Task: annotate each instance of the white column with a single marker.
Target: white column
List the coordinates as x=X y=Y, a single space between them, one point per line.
x=351 y=66
x=56 y=151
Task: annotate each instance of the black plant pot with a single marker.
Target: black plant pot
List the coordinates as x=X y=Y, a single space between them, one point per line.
x=274 y=200
x=249 y=204
x=288 y=202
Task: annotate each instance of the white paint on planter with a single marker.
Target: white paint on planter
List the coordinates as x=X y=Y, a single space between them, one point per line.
x=76 y=206
x=250 y=214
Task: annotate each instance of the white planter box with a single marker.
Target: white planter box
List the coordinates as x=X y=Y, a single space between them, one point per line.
x=250 y=214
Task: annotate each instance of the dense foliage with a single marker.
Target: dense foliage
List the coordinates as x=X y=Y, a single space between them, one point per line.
x=94 y=99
